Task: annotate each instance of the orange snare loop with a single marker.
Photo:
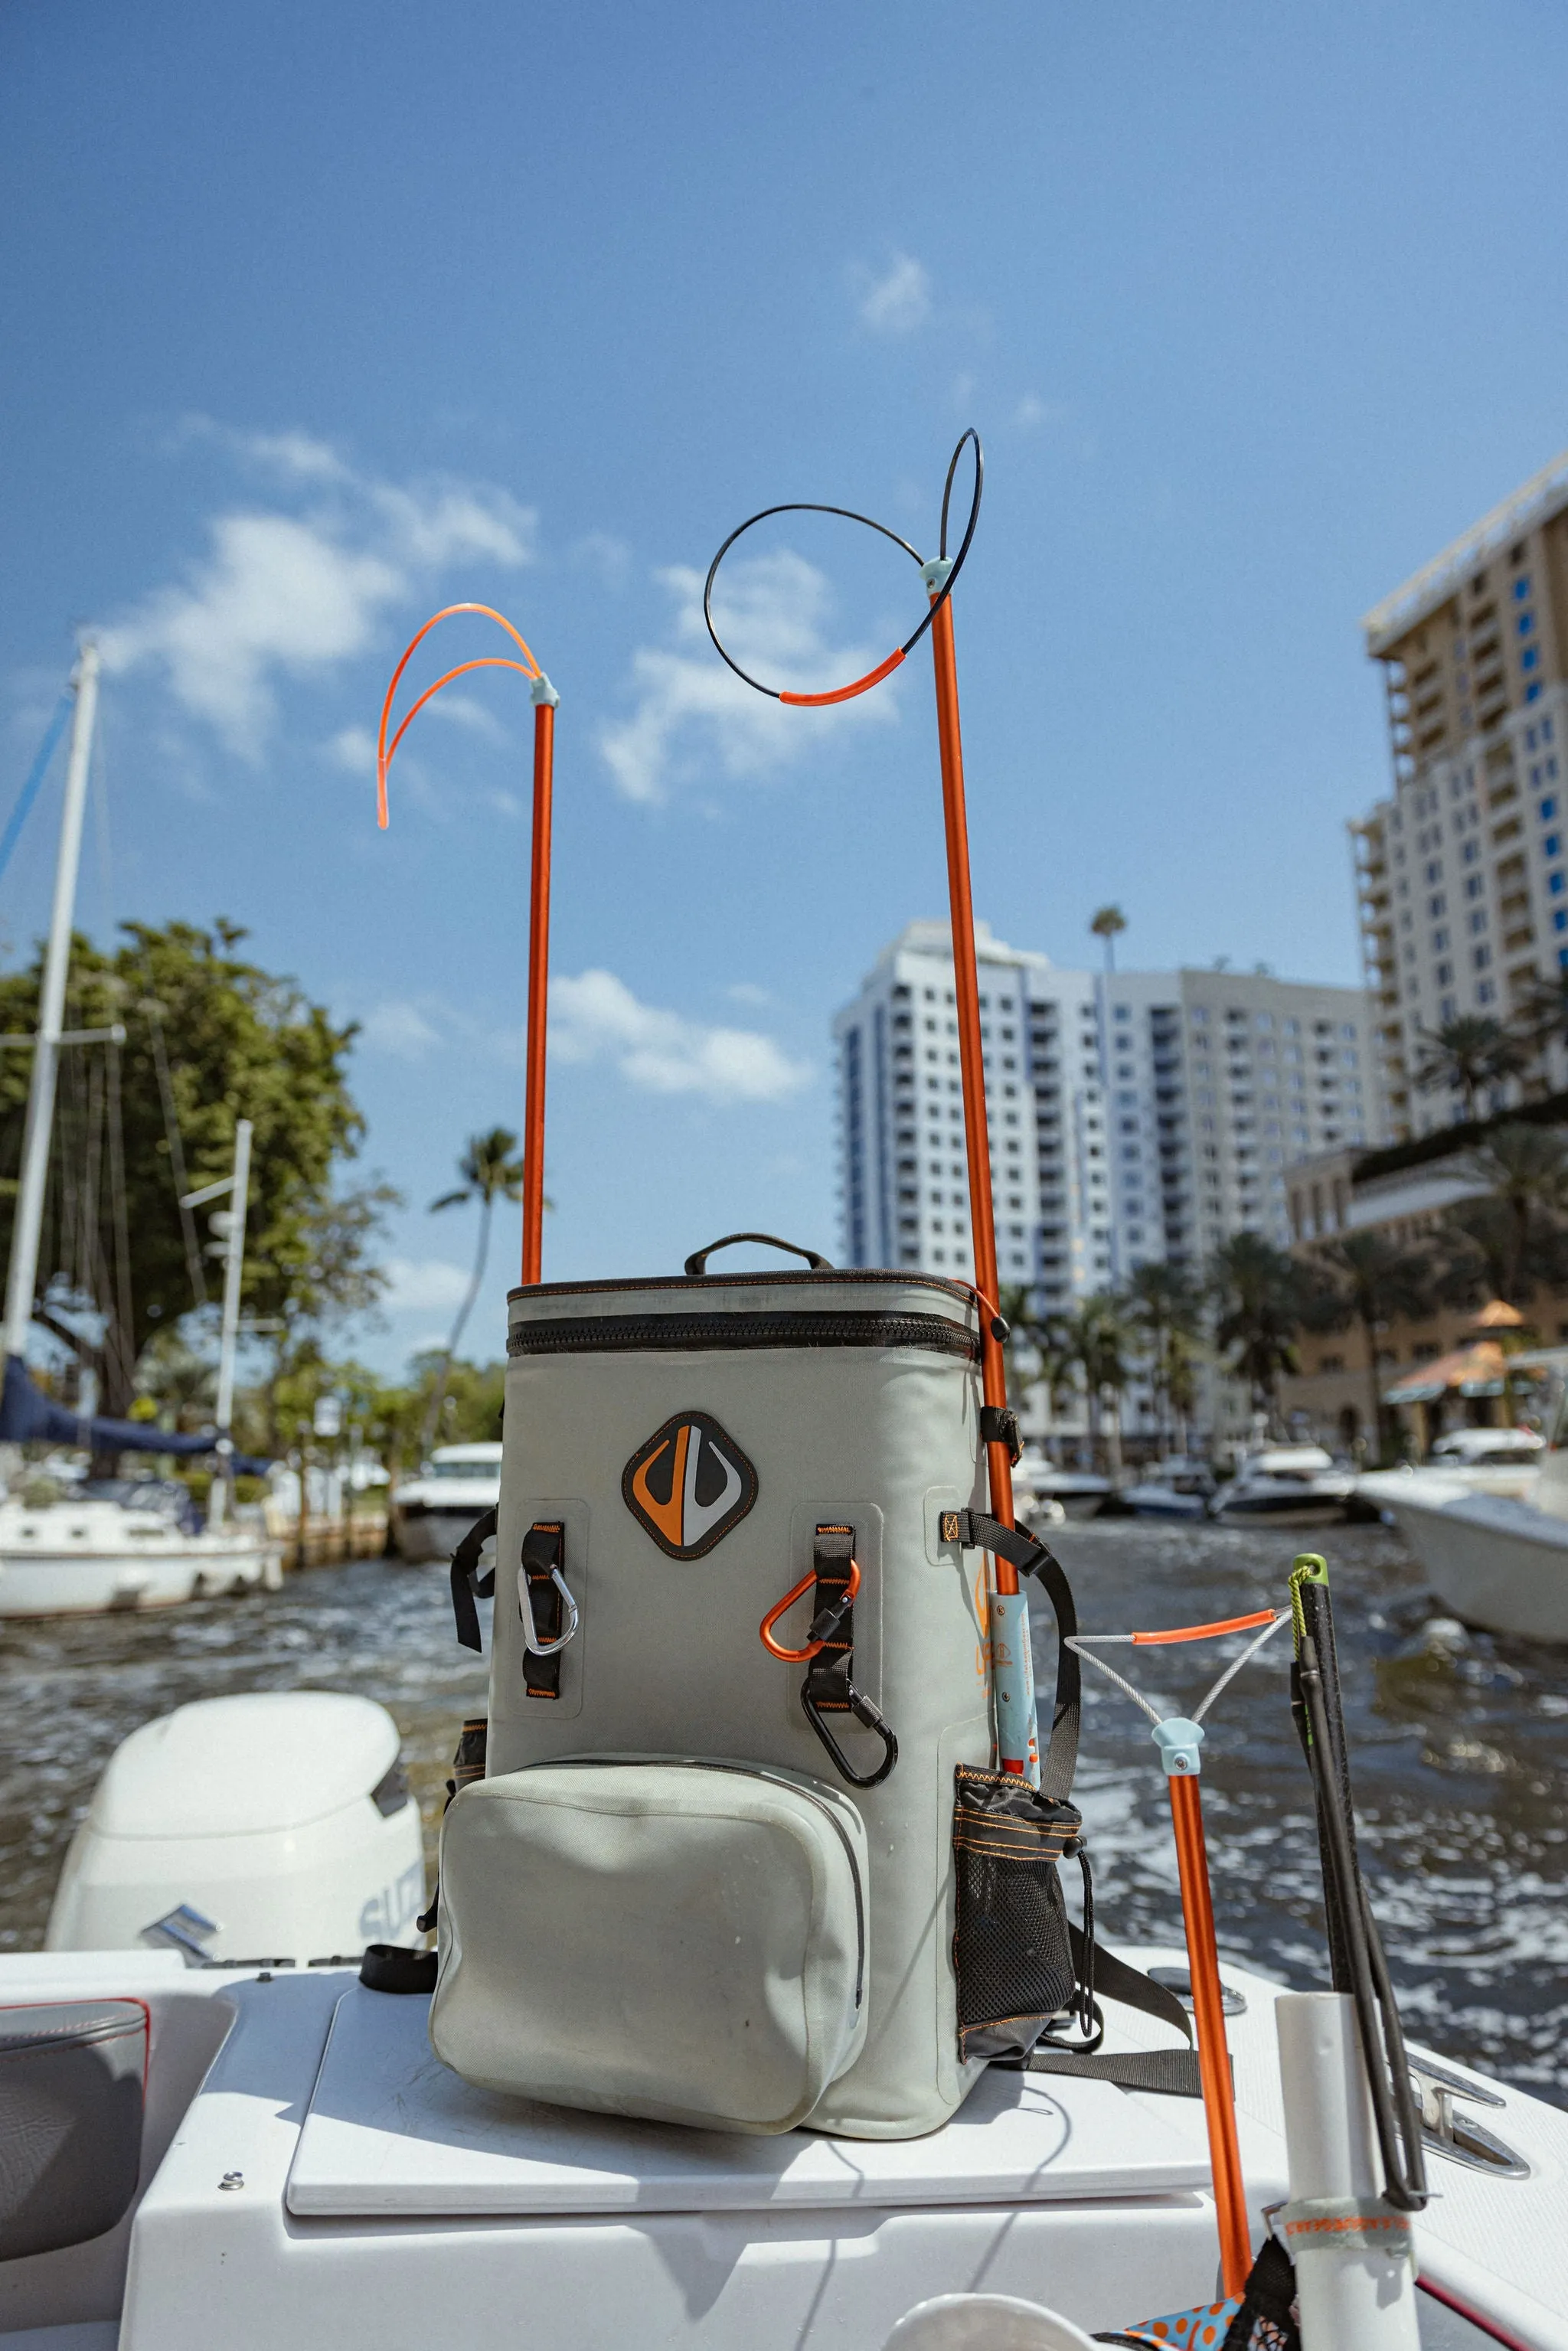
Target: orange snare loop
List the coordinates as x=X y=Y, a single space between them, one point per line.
x=544 y=698
x=765 y=1630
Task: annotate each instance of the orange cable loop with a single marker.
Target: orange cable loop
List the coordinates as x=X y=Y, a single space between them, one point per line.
x=385 y=753
x=845 y=693
x=1209 y=1632
x=765 y=1630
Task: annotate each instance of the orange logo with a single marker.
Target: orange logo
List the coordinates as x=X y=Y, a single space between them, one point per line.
x=689 y=1485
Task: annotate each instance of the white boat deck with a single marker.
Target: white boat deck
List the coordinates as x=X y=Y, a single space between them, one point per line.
x=332 y=2185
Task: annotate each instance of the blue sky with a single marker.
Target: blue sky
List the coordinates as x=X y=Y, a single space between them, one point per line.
x=322 y=315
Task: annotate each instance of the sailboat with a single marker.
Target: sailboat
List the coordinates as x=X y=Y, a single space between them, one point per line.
x=109 y=1543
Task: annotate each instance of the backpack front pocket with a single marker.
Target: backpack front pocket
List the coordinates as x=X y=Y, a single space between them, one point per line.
x=681 y=1941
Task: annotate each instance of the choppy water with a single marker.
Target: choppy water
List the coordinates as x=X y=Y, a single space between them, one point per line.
x=1459 y=1741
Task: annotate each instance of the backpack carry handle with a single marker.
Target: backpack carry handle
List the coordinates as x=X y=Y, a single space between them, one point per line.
x=696 y=1264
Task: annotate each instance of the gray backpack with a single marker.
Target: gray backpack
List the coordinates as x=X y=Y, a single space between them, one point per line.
x=738 y=1858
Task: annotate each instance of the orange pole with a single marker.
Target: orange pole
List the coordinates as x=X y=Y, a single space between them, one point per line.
x=538 y=995
x=1208 y=2016
x=971 y=1059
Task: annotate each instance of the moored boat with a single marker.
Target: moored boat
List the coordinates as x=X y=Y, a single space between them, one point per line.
x=1286 y=1486
x=1500 y=1561
x=1180 y=1487
x=430 y=1514
x=124 y=1543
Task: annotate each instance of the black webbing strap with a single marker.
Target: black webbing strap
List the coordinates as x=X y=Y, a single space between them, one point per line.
x=544 y=1550
x=466 y=1581
x=1030 y=1557
x=829 y=1686
x=1171 y=2071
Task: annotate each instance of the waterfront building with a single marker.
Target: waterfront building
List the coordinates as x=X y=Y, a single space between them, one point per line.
x=1134 y=1116
x=1462 y=874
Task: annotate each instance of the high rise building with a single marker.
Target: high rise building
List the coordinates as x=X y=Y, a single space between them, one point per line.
x=1134 y=1116
x=1463 y=875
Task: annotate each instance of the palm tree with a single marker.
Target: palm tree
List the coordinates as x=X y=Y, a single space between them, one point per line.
x=1096 y=1337
x=1540 y=1022
x=1372 y=1281
x=1258 y=1299
x=1105 y=924
x=1469 y=1053
x=1165 y=1307
x=1517 y=1223
x=490 y=1171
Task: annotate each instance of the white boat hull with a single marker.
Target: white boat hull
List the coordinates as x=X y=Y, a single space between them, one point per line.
x=1492 y=1561
x=62 y=1582
x=427 y=1538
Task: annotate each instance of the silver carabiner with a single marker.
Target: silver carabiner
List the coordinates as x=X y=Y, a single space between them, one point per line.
x=531 y=1640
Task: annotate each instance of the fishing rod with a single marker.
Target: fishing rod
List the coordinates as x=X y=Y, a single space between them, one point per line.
x=1356 y=1959
x=1018 y=1741
x=545 y=698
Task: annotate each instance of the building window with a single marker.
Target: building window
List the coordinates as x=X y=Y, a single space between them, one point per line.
x=1548 y=811
x=1554 y=882
x=1531 y=693
x=1481 y=957
x=1559 y=918
x=1477 y=923
x=1485 y=992
x=1524 y=623
x=1530 y=658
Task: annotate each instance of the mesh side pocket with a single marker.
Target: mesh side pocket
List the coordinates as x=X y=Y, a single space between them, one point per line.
x=1010 y=1949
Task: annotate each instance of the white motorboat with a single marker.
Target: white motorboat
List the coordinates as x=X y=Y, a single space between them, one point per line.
x=433 y=1512
x=1496 y=1560
x=1180 y=1487
x=1078 y=1493
x=1490 y=1460
x=304 y=2172
x=1286 y=1486
x=124 y=1543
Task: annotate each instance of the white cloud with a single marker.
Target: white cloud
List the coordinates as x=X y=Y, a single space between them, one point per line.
x=602 y=552
x=400 y=1026
x=746 y=991
x=424 y=1285
x=899 y=300
x=462 y=710
x=596 y=1017
x=354 y=748
x=293 y=594
x=772 y=609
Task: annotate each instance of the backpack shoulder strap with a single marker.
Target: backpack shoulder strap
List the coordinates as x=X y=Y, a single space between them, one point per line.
x=466 y=1581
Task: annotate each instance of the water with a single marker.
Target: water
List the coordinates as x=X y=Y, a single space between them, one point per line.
x=1459 y=1743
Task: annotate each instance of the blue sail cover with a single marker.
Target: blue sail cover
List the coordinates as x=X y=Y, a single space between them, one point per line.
x=26 y=1417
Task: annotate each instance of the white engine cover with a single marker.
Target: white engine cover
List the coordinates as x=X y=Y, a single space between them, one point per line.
x=259 y=1813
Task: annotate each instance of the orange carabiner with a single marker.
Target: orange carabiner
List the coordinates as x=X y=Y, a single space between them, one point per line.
x=765 y=1630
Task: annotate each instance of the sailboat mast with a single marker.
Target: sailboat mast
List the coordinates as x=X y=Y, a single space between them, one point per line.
x=29 y=1223
x=233 y=1267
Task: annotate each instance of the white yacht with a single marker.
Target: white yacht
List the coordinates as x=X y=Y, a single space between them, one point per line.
x=124 y=1543
x=1286 y=1486
x=1180 y=1487
x=1496 y=1560
x=1490 y=1460
x=433 y=1512
x=1078 y=1493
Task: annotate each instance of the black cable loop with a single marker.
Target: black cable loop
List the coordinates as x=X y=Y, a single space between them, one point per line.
x=847 y=513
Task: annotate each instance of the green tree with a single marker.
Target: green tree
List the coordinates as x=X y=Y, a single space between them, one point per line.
x=1540 y=1023
x=1098 y=1340
x=1469 y=1053
x=1163 y=1306
x=210 y=1037
x=491 y=1171
x=1372 y=1281
x=1107 y=924
x=1257 y=1294
x=1510 y=1238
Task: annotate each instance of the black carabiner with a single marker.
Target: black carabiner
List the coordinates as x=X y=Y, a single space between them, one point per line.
x=864 y=1712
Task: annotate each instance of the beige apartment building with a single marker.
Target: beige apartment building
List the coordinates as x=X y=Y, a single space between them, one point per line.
x=1462 y=874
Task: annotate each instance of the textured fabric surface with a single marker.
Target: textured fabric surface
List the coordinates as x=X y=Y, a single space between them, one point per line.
x=678 y=1940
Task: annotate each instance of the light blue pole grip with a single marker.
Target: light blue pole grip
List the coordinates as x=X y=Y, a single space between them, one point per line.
x=1178 y=1742
x=1012 y=1684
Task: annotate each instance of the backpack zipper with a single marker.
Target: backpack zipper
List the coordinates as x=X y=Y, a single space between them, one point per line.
x=583 y=1334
